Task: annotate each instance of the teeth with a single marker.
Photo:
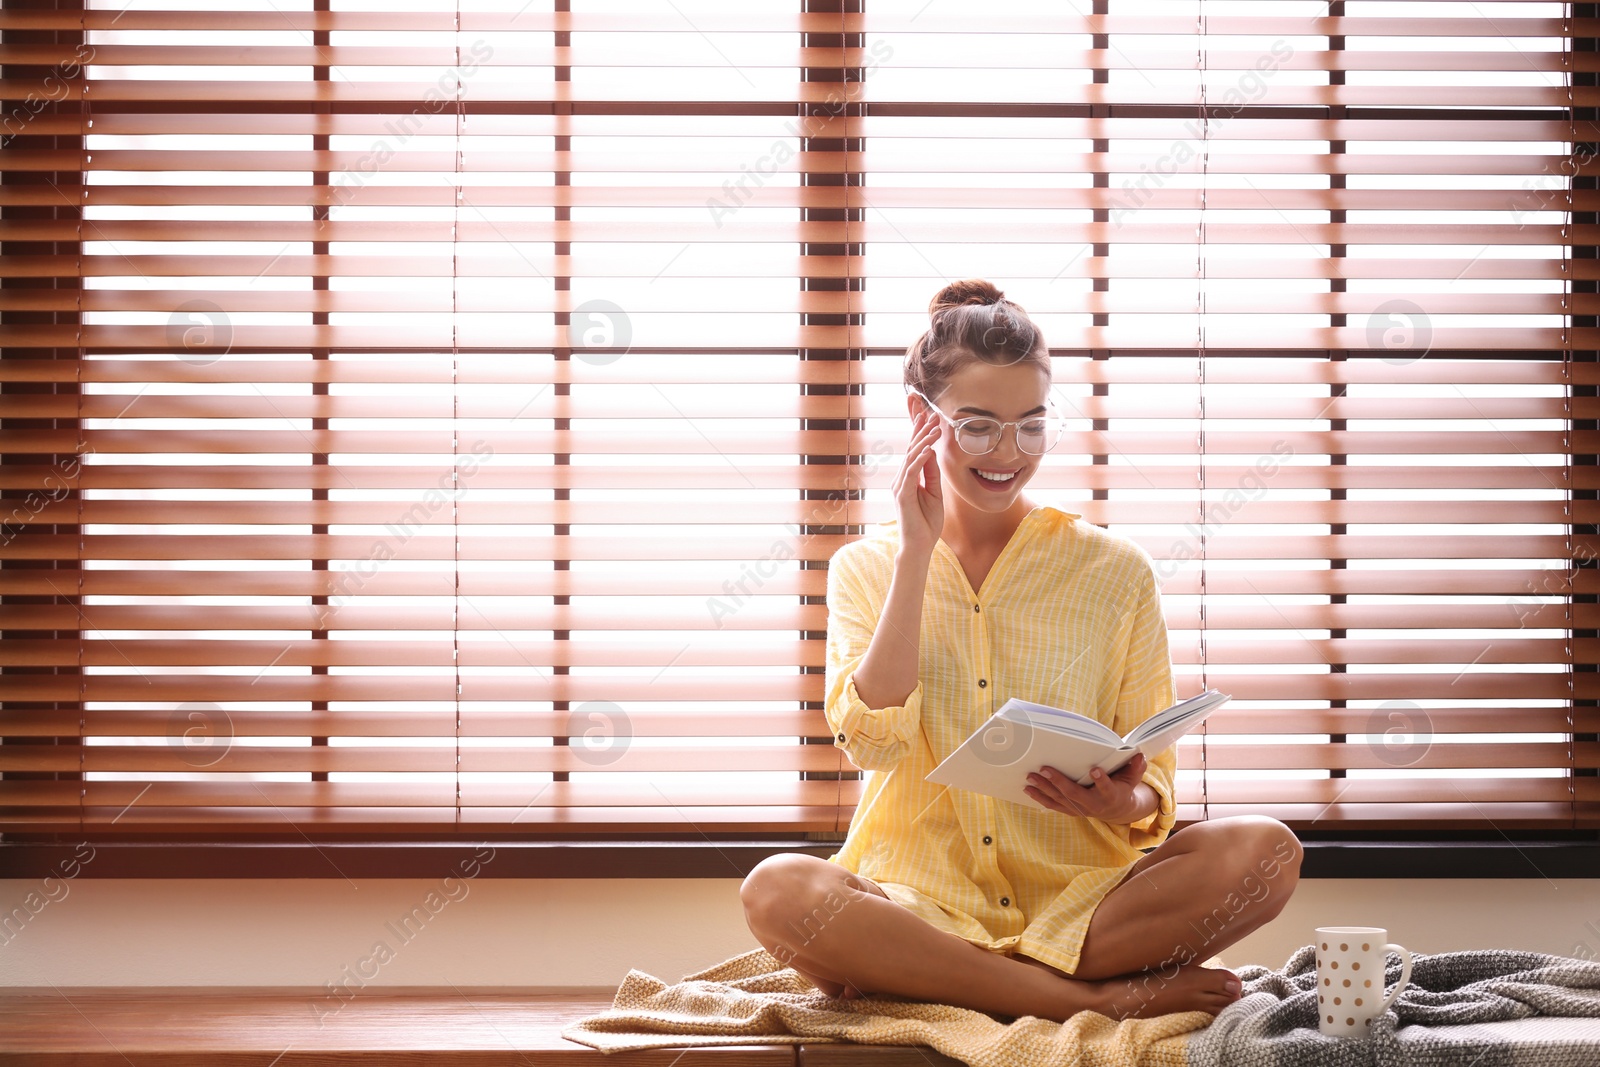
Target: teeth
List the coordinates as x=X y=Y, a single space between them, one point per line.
x=997 y=477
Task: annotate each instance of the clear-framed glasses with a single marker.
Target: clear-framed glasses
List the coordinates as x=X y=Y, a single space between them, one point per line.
x=979 y=435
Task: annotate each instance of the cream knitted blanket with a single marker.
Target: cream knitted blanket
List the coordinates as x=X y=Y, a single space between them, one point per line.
x=752 y=999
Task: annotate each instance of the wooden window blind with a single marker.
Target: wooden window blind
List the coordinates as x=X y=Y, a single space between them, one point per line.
x=435 y=419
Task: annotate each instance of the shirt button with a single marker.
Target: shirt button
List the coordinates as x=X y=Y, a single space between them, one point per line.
x=841 y=737
x=988 y=840
x=976 y=608
x=1005 y=902
x=982 y=683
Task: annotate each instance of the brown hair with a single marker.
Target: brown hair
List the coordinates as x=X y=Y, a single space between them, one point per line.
x=971 y=320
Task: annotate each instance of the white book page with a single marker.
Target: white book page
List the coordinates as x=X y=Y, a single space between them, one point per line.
x=1047 y=718
x=1176 y=721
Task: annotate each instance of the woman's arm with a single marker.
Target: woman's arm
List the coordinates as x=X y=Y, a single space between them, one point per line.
x=874 y=735
x=888 y=673
x=874 y=720
x=873 y=700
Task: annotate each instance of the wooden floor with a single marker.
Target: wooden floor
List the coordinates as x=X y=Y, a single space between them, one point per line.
x=207 y=1028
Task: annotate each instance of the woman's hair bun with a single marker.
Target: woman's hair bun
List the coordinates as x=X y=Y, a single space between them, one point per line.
x=970 y=321
x=969 y=291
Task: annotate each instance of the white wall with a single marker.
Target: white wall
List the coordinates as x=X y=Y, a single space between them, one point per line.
x=563 y=933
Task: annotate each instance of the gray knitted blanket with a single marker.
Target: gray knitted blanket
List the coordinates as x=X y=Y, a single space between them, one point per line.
x=1433 y=1022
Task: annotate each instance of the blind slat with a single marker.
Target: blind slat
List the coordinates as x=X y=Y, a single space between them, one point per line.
x=1525 y=585
x=430 y=515
x=727 y=21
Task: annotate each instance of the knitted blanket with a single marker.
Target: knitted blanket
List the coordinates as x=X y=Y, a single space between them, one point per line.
x=1274 y=1023
x=754 y=1000
x=1436 y=1022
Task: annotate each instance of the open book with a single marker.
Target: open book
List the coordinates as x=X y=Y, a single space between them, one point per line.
x=1022 y=737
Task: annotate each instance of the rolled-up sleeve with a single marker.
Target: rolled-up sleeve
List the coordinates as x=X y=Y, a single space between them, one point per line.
x=1153 y=829
x=873 y=738
x=1147 y=688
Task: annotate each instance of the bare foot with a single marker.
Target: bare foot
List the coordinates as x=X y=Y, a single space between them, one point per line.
x=1139 y=996
x=1151 y=993
x=1142 y=995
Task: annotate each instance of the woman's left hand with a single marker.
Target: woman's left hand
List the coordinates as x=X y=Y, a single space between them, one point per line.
x=1113 y=798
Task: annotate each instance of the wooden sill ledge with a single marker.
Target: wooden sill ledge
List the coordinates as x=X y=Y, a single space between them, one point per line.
x=181 y=1027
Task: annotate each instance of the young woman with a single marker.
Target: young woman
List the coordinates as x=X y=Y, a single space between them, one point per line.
x=975 y=594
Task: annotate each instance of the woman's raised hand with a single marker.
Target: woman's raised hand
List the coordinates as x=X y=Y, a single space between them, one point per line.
x=917 y=491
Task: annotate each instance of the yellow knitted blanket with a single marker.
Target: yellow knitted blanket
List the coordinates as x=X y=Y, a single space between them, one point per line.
x=752 y=999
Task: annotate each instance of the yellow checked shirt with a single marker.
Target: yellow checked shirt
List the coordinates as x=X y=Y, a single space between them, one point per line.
x=1069 y=615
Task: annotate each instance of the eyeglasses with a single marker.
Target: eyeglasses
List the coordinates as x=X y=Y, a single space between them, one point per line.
x=980 y=435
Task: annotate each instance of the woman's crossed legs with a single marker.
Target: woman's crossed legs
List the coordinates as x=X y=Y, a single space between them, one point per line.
x=1203 y=889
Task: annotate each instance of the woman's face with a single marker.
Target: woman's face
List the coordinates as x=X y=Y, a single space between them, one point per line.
x=990 y=483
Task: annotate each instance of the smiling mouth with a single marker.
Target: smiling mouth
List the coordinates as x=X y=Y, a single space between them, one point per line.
x=990 y=476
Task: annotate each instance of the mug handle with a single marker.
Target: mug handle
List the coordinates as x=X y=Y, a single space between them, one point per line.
x=1405 y=975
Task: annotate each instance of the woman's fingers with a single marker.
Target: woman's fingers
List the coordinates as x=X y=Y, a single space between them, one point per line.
x=921 y=436
x=927 y=490
x=920 y=460
x=930 y=474
x=1109 y=797
x=916 y=486
x=1132 y=772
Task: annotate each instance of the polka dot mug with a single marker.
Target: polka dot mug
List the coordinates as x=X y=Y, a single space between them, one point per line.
x=1350 y=969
